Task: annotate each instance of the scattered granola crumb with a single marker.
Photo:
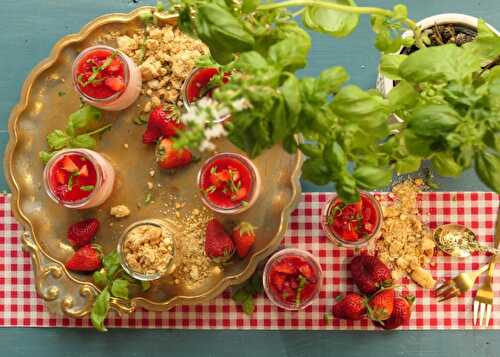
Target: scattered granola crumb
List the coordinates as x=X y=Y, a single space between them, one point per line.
x=125 y=146
x=148 y=249
x=406 y=244
x=152 y=173
x=120 y=211
x=150 y=185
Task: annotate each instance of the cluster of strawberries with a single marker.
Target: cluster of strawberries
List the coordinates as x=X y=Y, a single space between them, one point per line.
x=378 y=300
x=220 y=246
x=87 y=256
x=162 y=127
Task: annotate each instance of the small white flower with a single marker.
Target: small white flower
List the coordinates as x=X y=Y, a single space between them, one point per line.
x=217 y=130
x=207 y=146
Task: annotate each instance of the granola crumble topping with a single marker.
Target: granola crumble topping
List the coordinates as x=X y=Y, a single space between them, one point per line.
x=406 y=244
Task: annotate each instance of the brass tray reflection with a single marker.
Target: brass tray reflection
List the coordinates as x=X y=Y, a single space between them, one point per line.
x=41 y=109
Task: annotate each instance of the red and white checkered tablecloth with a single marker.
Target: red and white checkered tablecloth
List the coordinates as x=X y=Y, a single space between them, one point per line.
x=20 y=306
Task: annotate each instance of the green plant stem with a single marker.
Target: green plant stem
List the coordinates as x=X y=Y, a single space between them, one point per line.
x=329 y=5
x=100 y=130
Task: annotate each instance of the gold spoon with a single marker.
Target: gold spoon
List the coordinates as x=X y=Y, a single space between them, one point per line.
x=459 y=241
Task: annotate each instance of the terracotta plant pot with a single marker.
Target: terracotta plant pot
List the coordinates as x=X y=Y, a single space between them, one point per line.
x=385 y=85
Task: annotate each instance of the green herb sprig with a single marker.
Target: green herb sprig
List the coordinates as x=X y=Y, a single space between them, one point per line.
x=114 y=282
x=75 y=135
x=244 y=294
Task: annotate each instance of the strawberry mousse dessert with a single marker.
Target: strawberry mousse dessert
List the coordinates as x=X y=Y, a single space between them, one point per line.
x=198 y=85
x=353 y=224
x=229 y=183
x=106 y=78
x=78 y=178
x=292 y=279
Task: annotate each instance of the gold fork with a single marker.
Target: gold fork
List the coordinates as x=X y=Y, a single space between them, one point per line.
x=458 y=285
x=484 y=296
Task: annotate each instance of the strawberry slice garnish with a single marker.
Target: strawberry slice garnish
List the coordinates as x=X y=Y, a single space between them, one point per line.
x=84 y=171
x=285 y=268
x=278 y=281
x=85 y=259
x=68 y=165
x=239 y=195
x=81 y=233
x=115 y=83
x=60 y=177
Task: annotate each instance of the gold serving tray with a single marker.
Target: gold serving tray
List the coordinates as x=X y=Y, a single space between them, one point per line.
x=41 y=109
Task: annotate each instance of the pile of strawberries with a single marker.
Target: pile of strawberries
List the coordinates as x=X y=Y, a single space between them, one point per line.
x=87 y=256
x=162 y=127
x=220 y=246
x=378 y=300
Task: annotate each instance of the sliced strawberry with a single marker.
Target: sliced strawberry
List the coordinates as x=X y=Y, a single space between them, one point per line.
x=239 y=195
x=87 y=258
x=84 y=171
x=115 y=66
x=115 y=83
x=170 y=158
x=68 y=165
x=60 y=177
x=285 y=268
x=278 y=281
x=306 y=271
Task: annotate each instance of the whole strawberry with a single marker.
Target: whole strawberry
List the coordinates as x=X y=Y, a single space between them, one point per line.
x=401 y=313
x=369 y=273
x=244 y=238
x=81 y=233
x=87 y=258
x=381 y=305
x=349 y=306
x=160 y=124
x=218 y=244
x=168 y=157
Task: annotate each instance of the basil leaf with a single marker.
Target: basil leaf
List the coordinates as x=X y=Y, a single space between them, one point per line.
x=438 y=63
x=111 y=263
x=248 y=306
x=241 y=295
x=58 y=139
x=145 y=285
x=486 y=45
x=83 y=141
x=433 y=120
x=400 y=12
x=100 y=310
x=417 y=145
x=119 y=288
x=291 y=93
x=346 y=188
x=445 y=165
x=385 y=42
x=408 y=164
x=291 y=53
x=290 y=144
x=100 y=278
x=389 y=65
x=369 y=177
x=488 y=169
x=334 y=156
x=46 y=156
x=331 y=79
x=329 y=21
x=315 y=171
x=279 y=122
x=311 y=150
x=250 y=61
x=83 y=118
x=402 y=96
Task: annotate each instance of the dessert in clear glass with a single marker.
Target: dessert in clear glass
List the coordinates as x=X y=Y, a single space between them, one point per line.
x=106 y=78
x=147 y=250
x=355 y=224
x=197 y=86
x=78 y=178
x=292 y=278
x=229 y=183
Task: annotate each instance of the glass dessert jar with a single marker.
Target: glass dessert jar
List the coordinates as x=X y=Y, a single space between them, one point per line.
x=106 y=78
x=196 y=86
x=147 y=250
x=78 y=178
x=292 y=279
x=355 y=224
x=229 y=183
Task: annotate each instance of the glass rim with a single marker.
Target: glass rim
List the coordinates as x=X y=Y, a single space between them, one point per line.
x=256 y=180
x=334 y=237
x=124 y=59
x=88 y=154
x=121 y=241
x=291 y=251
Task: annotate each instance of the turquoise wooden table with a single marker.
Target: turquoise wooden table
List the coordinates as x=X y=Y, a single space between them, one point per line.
x=29 y=28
